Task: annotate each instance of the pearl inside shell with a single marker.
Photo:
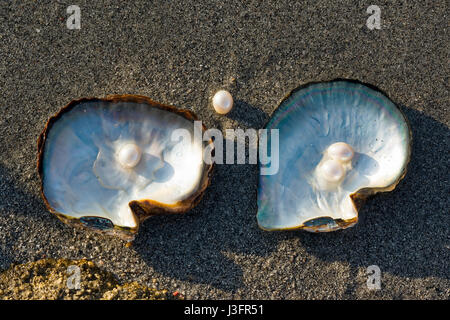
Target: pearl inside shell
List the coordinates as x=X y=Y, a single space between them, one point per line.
x=222 y=102
x=332 y=170
x=340 y=151
x=129 y=155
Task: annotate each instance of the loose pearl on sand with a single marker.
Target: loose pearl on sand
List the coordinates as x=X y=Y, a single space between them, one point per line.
x=222 y=102
x=129 y=155
x=332 y=170
x=340 y=151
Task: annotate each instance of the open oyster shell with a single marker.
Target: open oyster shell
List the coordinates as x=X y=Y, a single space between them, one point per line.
x=108 y=164
x=339 y=142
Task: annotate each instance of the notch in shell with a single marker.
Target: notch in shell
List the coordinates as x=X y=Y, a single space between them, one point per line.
x=107 y=164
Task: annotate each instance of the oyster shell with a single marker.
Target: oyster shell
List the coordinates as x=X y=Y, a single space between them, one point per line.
x=340 y=141
x=108 y=164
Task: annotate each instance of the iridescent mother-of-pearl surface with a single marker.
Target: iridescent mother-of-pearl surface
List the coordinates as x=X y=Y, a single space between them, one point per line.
x=101 y=155
x=312 y=119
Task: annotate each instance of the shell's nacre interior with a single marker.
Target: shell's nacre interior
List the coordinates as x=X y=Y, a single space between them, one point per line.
x=100 y=155
x=335 y=138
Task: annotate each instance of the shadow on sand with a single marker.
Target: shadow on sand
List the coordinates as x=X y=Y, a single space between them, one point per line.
x=404 y=232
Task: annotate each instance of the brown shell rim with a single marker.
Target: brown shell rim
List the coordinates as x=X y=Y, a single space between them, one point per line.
x=360 y=196
x=142 y=209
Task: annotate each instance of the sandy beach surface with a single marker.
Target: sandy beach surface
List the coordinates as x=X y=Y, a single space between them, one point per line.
x=180 y=53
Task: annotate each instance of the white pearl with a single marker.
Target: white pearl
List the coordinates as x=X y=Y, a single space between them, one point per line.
x=340 y=151
x=332 y=170
x=129 y=155
x=222 y=102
